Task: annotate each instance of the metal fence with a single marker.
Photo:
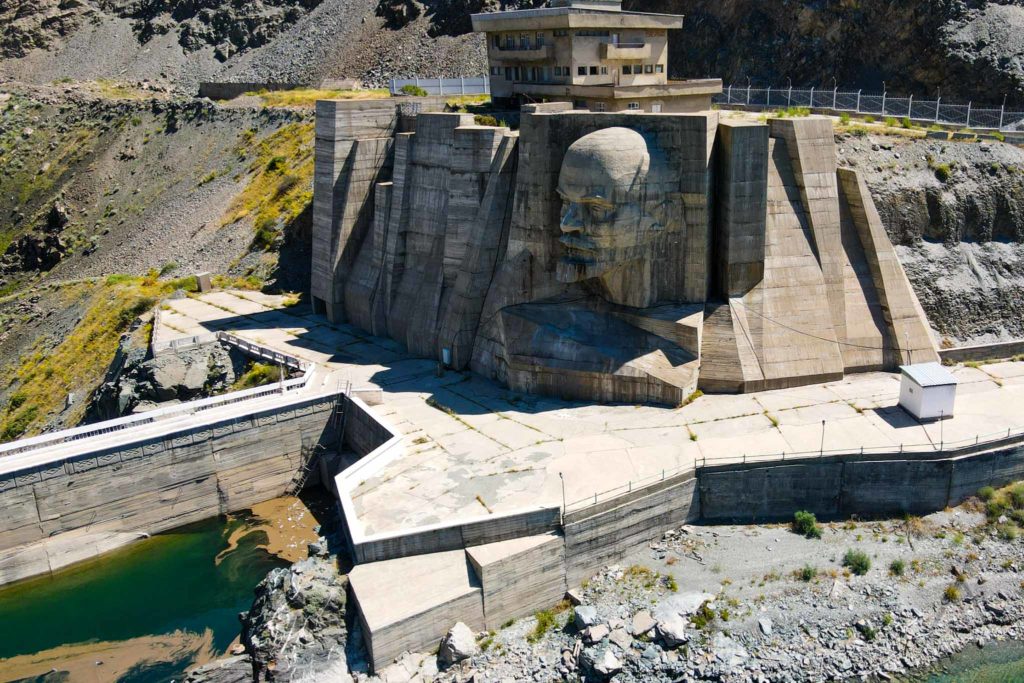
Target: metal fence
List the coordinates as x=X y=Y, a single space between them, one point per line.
x=942 y=448
x=876 y=104
x=470 y=85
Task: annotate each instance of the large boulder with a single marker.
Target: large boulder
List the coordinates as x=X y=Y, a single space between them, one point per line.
x=458 y=644
x=600 y=662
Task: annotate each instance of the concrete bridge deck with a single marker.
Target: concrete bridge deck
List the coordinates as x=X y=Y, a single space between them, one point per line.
x=474 y=448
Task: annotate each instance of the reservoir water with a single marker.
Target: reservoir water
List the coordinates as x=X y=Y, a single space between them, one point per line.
x=149 y=612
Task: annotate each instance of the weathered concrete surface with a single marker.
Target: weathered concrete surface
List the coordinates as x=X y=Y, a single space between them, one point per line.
x=106 y=491
x=508 y=449
x=407 y=604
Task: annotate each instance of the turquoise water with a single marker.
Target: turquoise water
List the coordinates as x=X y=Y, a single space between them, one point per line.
x=172 y=583
x=995 y=663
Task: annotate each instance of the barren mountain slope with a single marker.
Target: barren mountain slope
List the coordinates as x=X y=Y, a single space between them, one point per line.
x=969 y=48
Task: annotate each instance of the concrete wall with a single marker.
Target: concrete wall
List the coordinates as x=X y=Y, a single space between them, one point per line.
x=73 y=509
x=993 y=351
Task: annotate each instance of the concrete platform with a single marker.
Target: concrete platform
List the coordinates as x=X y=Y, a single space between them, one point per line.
x=408 y=604
x=475 y=448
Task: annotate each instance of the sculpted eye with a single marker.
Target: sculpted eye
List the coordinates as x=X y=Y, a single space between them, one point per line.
x=599 y=213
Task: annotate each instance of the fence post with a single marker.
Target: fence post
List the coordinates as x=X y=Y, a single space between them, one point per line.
x=729 y=96
x=938 y=107
x=969 y=114
x=858 y=100
x=910 y=108
x=769 y=97
x=789 y=97
x=883 y=103
x=1002 y=113
x=835 y=98
x=812 y=97
x=462 y=84
x=748 y=94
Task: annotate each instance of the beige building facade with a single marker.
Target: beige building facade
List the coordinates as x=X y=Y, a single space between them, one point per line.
x=589 y=53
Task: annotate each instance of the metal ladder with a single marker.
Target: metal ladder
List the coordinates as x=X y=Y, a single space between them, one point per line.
x=311 y=453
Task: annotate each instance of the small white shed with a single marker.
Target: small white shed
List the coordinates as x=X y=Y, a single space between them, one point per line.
x=927 y=391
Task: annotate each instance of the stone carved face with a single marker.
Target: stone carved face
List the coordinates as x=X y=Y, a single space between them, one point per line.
x=614 y=206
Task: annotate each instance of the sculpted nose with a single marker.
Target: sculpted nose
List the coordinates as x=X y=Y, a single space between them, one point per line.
x=571 y=220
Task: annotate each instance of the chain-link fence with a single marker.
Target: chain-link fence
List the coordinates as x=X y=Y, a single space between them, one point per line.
x=868 y=103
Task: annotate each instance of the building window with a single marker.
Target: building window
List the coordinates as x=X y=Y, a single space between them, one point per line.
x=638 y=69
x=497 y=40
x=539 y=40
x=581 y=71
x=524 y=41
x=627 y=70
x=599 y=34
x=515 y=72
x=648 y=68
x=593 y=71
x=509 y=42
x=508 y=73
x=633 y=106
x=604 y=71
x=560 y=32
x=599 y=106
x=659 y=68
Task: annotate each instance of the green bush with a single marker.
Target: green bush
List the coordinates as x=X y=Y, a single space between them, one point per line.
x=485 y=120
x=986 y=493
x=869 y=119
x=807 y=573
x=1017 y=496
x=897 y=567
x=413 y=91
x=806 y=524
x=907 y=123
x=857 y=561
x=999 y=136
x=951 y=594
x=844 y=119
x=546 y=621
x=943 y=172
x=1007 y=532
x=277 y=163
x=890 y=122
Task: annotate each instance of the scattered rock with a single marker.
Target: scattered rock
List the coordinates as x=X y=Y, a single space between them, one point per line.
x=458 y=644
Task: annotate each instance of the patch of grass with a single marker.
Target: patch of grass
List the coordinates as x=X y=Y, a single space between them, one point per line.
x=890 y=122
x=43 y=377
x=508 y=624
x=844 y=118
x=857 y=561
x=307 y=97
x=546 y=620
x=806 y=524
x=807 y=573
x=691 y=398
x=467 y=100
x=897 y=567
x=670 y=583
x=256 y=375
x=703 y=617
x=986 y=493
x=771 y=418
x=905 y=122
x=952 y=593
x=280 y=185
x=413 y=90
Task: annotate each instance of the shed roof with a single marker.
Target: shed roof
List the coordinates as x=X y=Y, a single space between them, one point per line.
x=929 y=374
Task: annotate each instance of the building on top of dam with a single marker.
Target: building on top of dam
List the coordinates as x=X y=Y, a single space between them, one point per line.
x=589 y=53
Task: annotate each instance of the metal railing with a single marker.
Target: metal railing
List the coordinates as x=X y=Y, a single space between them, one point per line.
x=188 y=408
x=942 y=448
x=469 y=85
x=881 y=104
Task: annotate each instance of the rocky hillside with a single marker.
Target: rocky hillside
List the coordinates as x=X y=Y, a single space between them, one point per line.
x=955 y=211
x=971 y=49
x=111 y=198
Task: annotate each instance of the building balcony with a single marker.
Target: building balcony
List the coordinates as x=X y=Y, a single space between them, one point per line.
x=626 y=51
x=534 y=53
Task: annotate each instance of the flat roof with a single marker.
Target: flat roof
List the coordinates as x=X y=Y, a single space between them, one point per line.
x=929 y=374
x=572 y=17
